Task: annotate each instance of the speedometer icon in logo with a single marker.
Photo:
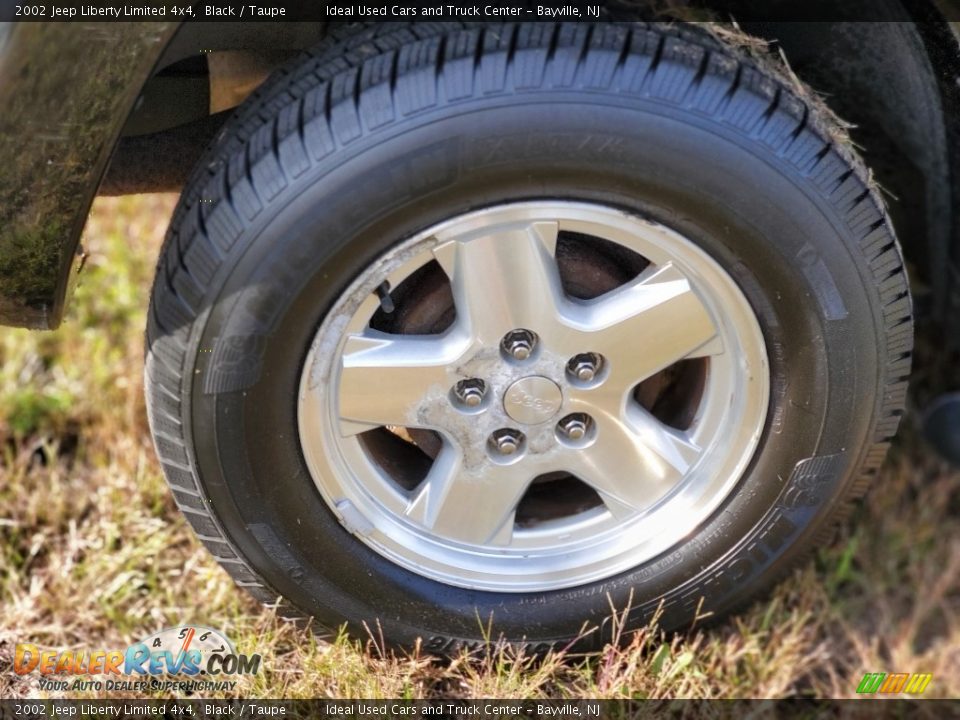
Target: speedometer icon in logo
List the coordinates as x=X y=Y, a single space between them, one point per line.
x=188 y=650
x=185 y=638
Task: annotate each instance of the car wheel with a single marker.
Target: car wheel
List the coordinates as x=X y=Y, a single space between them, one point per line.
x=482 y=333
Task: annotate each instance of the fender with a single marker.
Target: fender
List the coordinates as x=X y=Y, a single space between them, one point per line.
x=65 y=92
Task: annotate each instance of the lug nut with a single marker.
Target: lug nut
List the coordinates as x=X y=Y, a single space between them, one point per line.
x=470 y=392
x=506 y=442
x=575 y=427
x=519 y=344
x=584 y=367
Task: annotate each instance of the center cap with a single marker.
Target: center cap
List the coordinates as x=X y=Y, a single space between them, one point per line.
x=532 y=400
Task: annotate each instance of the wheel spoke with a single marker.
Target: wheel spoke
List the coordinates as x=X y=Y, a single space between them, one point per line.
x=475 y=508
x=632 y=465
x=384 y=378
x=649 y=324
x=505 y=280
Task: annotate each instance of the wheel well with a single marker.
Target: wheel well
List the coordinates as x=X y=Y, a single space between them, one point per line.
x=206 y=71
x=218 y=63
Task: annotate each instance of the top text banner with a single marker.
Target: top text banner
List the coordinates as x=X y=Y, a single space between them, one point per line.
x=501 y=11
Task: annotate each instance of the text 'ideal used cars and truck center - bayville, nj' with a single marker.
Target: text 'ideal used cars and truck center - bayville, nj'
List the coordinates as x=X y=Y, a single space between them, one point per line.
x=462 y=11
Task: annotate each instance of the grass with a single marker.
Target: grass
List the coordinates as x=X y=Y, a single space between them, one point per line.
x=94 y=554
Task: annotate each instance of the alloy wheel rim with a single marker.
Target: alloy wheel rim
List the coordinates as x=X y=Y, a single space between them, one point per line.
x=530 y=392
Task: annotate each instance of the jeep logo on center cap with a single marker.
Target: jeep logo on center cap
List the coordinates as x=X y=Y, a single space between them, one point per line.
x=532 y=400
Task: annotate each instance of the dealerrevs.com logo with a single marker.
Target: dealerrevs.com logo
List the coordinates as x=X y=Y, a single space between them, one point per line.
x=187 y=658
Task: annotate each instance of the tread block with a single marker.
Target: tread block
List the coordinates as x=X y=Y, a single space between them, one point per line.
x=458 y=64
x=344 y=120
x=266 y=172
x=534 y=44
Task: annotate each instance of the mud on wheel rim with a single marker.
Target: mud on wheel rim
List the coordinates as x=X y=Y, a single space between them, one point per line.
x=533 y=396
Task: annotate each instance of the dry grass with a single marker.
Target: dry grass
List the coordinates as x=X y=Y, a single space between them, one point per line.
x=95 y=555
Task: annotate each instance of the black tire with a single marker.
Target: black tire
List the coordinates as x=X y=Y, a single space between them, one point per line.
x=382 y=137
